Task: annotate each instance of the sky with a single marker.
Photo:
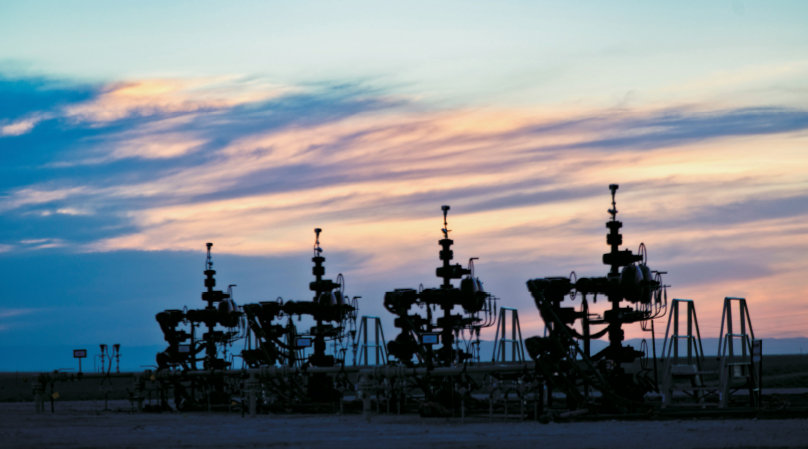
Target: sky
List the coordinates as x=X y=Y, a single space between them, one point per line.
x=133 y=133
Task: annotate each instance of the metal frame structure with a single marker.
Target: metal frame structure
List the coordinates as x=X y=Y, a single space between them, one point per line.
x=692 y=370
x=738 y=366
x=378 y=343
x=417 y=374
x=517 y=345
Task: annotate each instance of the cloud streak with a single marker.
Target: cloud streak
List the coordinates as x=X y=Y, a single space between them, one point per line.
x=168 y=165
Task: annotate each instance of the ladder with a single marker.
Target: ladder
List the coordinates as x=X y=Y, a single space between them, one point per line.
x=690 y=367
x=517 y=346
x=745 y=365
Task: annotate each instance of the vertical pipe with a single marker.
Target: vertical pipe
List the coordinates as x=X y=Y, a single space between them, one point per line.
x=653 y=347
x=39 y=404
x=365 y=345
x=378 y=348
x=463 y=410
x=675 y=318
x=521 y=408
x=587 y=343
x=535 y=406
x=193 y=346
x=252 y=395
x=138 y=394
x=364 y=393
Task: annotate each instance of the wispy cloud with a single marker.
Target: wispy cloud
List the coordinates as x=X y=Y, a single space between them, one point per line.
x=8 y=313
x=718 y=194
x=19 y=127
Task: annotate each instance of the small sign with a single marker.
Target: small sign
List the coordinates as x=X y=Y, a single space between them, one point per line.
x=303 y=343
x=79 y=353
x=430 y=339
x=184 y=349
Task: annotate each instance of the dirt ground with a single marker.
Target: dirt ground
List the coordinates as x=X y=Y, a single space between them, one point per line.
x=84 y=424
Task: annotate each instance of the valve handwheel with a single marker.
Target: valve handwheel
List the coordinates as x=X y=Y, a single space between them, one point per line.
x=341 y=282
x=643 y=251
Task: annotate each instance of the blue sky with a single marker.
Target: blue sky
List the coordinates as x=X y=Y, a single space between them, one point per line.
x=131 y=134
x=514 y=52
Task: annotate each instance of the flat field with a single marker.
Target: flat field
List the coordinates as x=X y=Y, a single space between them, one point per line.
x=84 y=424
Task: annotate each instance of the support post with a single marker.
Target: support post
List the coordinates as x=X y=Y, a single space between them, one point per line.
x=39 y=402
x=252 y=394
x=364 y=394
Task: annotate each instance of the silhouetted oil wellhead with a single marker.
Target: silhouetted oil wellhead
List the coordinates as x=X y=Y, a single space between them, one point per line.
x=476 y=303
x=629 y=279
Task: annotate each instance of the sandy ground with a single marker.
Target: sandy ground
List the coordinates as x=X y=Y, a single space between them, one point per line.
x=84 y=424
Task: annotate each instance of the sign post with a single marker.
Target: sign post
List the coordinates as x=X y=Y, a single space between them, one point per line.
x=79 y=354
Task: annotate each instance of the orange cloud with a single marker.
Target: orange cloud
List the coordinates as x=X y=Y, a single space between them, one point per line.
x=160 y=96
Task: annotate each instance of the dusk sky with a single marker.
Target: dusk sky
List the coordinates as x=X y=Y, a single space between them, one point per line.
x=133 y=133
